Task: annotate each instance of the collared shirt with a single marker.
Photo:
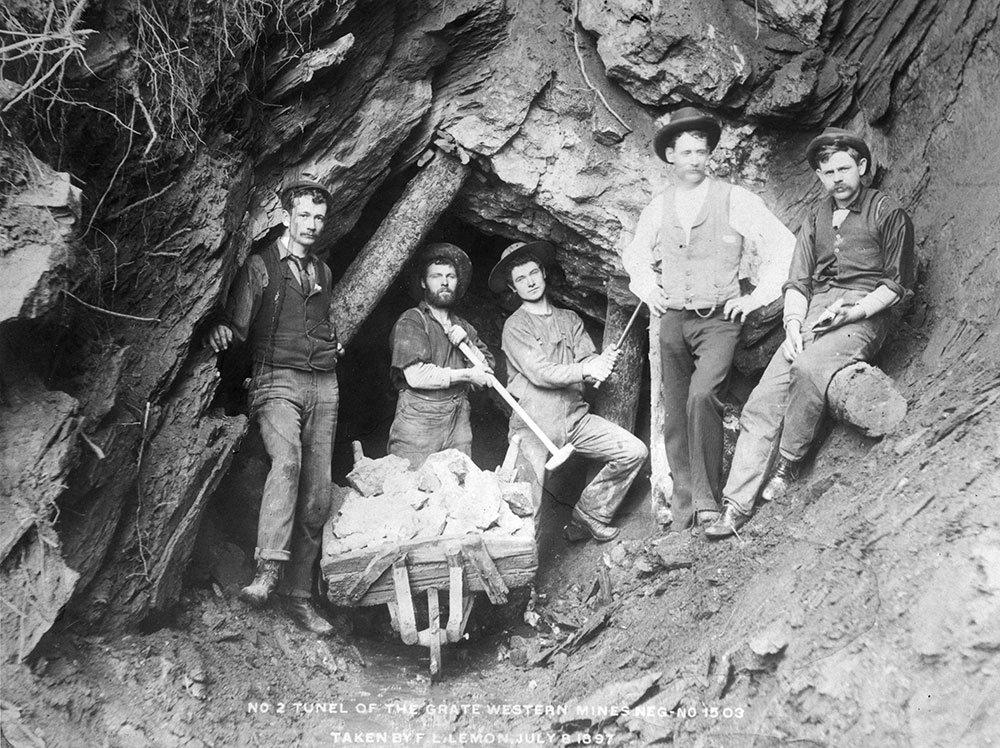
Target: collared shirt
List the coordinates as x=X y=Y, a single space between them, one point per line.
x=421 y=347
x=251 y=280
x=872 y=246
x=767 y=246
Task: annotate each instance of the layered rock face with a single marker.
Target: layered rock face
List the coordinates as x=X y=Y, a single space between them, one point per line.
x=550 y=107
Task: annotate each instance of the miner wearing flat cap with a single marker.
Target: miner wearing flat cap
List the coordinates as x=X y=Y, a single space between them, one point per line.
x=693 y=244
x=280 y=305
x=432 y=375
x=854 y=262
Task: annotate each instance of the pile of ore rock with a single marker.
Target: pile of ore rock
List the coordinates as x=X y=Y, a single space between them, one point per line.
x=388 y=502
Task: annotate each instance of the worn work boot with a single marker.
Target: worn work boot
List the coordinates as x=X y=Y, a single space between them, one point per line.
x=301 y=610
x=785 y=473
x=263 y=584
x=581 y=527
x=728 y=524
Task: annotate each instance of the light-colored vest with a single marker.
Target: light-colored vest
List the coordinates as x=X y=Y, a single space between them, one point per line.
x=704 y=272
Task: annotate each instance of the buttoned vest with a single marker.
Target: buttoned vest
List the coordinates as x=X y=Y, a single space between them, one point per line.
x=704 y=272
x=292 y=328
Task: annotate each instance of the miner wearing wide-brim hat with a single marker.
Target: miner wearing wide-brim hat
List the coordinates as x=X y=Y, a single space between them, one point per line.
x=853 y=262
x=693 y=244
x=280 y=306
x=549 y=360
x=429 y=371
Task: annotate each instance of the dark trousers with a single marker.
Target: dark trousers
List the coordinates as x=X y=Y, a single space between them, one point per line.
x=696 y=353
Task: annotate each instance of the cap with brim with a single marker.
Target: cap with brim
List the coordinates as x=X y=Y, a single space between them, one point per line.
x=304 y=184
x=687 y=119
x=517 y=254
x=458 y=258
x=839 y=137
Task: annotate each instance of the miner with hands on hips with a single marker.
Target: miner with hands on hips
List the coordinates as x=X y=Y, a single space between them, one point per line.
x=854 y=261
x=432 y=375
x=549 y=359
x=280 y=304
x=693 y=244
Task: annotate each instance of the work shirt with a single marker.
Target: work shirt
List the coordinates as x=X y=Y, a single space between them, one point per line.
x=420 y=341
x=871 y=246
x=767 y=243
x=545 y=358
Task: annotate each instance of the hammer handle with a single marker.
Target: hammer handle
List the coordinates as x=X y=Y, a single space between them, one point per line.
x=621 y=338
x=514 y=404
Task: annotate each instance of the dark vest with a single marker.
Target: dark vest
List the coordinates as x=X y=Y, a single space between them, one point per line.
x=704 y=272
x=292 y=329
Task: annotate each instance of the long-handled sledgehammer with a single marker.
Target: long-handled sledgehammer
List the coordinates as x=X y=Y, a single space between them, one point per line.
x=559 y=454
x=621 y=338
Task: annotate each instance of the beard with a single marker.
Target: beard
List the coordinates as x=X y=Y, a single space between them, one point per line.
x=443 y=299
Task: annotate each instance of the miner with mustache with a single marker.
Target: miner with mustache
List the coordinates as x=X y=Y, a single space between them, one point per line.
x=431 y=374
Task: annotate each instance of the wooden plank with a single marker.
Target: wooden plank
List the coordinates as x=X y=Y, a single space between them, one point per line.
x=492 y=579
x=423 y=549
x=455 y=595
x=375 y=569
x=434 y=629
x=407 y=618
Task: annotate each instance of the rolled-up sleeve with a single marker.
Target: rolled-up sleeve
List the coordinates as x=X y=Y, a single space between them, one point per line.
x=525 y=353
x=899 y=258
x=410 y=344
x=639 y=255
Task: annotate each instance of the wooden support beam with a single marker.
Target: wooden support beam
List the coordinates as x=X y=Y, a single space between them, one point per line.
x=660 y=483
x=496 y=588
x=378 y=263
x=618 y=398
x=865 y=397
x=404 y=602
x=456 y=592
x=434 y=630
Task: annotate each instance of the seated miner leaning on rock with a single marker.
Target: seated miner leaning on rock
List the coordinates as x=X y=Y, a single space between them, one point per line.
x=430 y=372
x=854 y=259
x=280 y=305
x=692 y=245
x=549 y=358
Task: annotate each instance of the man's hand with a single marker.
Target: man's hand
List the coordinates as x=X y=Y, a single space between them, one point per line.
x=844 y=314
x=598 y=368
x=478 y=377
x=737 y=309
x=657 y=303
x=219 y=338
x=792 y=346
x=457 y=334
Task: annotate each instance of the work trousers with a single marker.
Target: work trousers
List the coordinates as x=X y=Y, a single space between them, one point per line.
x=594 y=437
x=695 y=353
x=297 y=414
x=791 y=397
x=422 y=426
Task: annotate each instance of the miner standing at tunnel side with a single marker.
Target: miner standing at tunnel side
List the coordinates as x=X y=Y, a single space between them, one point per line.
x=854 y=260
x=550 y=357
x=692 y=245
x=429 y=371
x=280 y=303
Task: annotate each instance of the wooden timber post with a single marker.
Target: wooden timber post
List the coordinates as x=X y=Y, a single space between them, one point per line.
x=378 y=263
x=618 y=398
x=660 y=483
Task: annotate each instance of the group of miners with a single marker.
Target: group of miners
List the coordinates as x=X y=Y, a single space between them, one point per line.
x=852 y=262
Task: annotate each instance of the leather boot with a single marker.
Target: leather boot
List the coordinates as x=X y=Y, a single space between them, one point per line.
x=301 y=610
x=263 y=584
x=785 y=473
x=728 y=524
x=581 y=527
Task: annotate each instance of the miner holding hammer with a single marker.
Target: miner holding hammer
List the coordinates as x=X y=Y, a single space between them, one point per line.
x=692 y=245
x=550 y=357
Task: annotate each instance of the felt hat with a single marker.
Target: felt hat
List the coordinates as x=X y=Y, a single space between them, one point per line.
x=516 y=254
x=687 y=119
x=304 y=184
x=458 y=258
x=839 y=137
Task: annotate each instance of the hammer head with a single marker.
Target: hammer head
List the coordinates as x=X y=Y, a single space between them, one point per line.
x=559 y=457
